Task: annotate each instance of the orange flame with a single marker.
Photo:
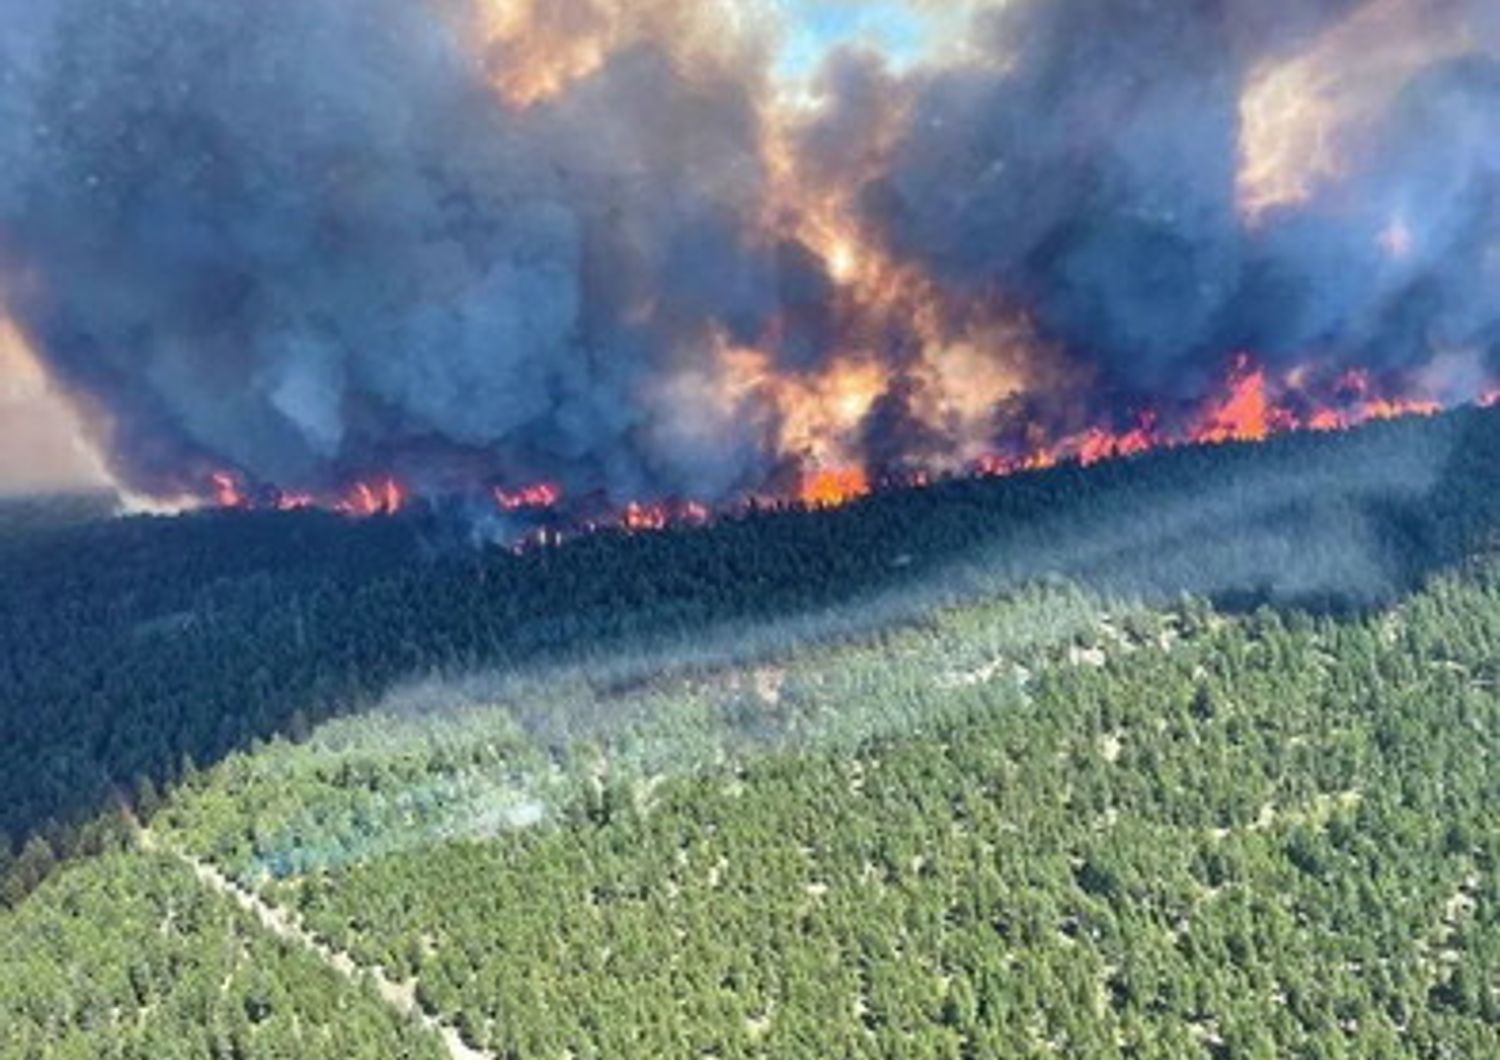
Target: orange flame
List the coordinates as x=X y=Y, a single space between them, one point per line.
x=382 y=497
x=1254 y=405
x=639 y=517
x=541 y=495
x=1099 y=444
x=228 y=492
x=645 y=518
x=1245 y=414
x=833 y=487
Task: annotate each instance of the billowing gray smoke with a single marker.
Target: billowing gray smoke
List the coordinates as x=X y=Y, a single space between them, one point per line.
x=1096 y=174
x=304 y=239
x=307 y=240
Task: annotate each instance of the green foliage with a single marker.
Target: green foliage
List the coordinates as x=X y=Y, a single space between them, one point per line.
x=1168 y=834
x=128 y=956
x=1125 y=762
x=130 y=649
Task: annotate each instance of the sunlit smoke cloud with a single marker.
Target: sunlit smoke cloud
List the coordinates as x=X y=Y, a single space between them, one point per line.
x=1160 y=188
x=1303 y=112
x=43 y=450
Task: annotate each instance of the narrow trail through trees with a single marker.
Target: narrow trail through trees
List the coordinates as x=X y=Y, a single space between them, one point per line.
x=285 y=925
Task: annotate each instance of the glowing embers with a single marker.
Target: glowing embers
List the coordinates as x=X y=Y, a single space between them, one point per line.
x=544 y=500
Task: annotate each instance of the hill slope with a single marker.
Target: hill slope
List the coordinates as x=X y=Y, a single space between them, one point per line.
x=132 y=650
x=866 y=782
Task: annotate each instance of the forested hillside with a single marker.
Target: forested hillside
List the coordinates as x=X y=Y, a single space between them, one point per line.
x=1188 y=755
x=133 y=651
x=1164 y=835
x=130 y=956
x=1046 y=824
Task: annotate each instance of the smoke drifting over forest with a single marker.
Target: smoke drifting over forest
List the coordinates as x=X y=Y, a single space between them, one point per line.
x=614 y=247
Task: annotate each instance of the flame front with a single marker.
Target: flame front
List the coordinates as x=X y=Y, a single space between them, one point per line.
x=1252 y=406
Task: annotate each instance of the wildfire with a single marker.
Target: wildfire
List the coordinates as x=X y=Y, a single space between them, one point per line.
x=382 y=497
x=642 y=518
x=1253 y=407
x=228 y=493
x=1254 y=404
x=819 y=413
x=1099 y=445
x=904 y=349
x=962 y=352
x=1245 y=414
x=541 y=495
x=831 y=488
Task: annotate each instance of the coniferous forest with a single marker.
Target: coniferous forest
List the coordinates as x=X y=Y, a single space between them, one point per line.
x=1191 y=754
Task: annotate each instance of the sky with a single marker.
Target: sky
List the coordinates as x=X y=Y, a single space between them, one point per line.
x=899 y=29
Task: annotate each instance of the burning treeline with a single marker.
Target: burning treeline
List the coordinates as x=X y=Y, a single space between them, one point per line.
x=539 y=253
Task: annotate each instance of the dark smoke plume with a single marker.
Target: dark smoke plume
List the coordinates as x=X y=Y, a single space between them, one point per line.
x=311 y=240
x=1093 y=173
x=304 y=238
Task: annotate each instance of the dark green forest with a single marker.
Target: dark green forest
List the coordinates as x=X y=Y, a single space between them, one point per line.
x=133 y=651
x=1185 y=755
x=130 y=957
x=1178 y=835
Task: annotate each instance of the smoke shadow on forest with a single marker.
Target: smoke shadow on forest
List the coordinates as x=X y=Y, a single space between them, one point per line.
x=1337 y=531
x=138 y=651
